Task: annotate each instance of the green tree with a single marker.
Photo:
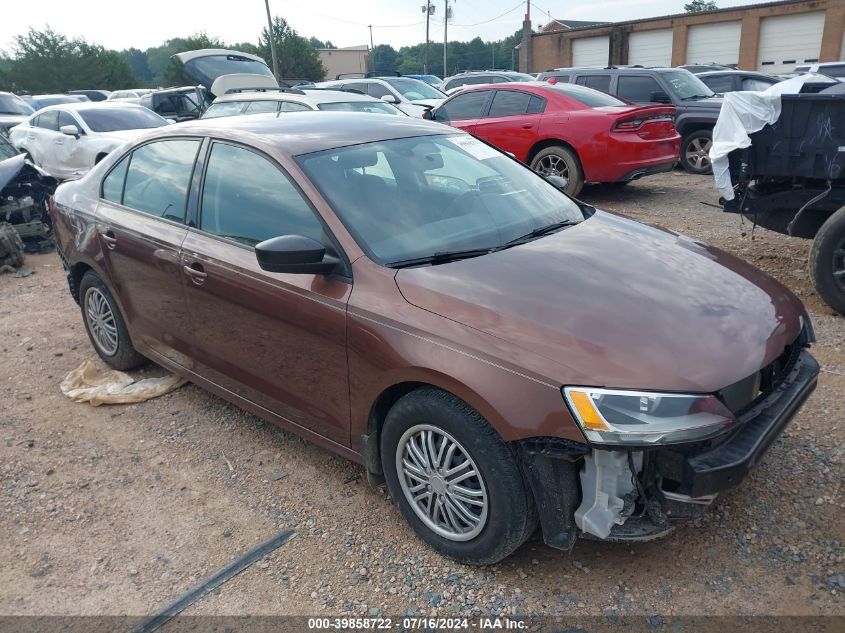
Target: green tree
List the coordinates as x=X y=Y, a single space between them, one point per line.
x=297 y=58
x=697 y=6
x=384 y=59
x=47 y=61
x=320 y=43
x=139 y=63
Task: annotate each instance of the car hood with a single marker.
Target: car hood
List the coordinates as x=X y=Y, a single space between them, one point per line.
x=710 y=103
x=18 y=169
x=612 y=302
x=428 y=102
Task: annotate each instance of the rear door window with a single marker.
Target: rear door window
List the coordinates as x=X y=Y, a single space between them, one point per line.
x=248 y=199
x=637 y=88
x=113 y=182
x=258 y=107
x=509 y=103
x=159 y=176
x=465 y=106
x=293 y=106
x=597 y=82
x=48 y=120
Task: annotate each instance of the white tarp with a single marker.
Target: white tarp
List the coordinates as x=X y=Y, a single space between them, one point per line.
x=96 y=385
x=744 y=113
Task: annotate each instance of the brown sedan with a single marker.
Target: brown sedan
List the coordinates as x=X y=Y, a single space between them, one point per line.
x=410 y=298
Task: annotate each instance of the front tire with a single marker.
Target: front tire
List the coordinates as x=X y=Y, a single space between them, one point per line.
x=695 y=152
x=560 y=161
x=827 y=261
x=454 y=479
x=104 y=324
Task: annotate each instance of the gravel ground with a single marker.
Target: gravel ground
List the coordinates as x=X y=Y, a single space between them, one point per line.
x=117 y=510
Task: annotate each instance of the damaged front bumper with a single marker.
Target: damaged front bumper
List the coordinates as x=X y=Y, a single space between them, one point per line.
x=621 y=494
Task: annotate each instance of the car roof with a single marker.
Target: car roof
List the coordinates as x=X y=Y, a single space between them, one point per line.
x=752 y=73
x=295 y=133
x=77 y=106
x=312 y=96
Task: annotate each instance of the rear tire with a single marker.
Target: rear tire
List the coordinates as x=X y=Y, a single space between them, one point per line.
x=827 y=261
x=486 y=479
x=695 y=149
x=105 y=326
x=560 y=161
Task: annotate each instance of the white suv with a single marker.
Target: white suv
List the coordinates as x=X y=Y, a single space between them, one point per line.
x=261 y=100
x=410 y=95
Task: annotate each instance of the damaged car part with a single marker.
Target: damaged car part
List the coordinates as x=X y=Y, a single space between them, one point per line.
x=24 y=191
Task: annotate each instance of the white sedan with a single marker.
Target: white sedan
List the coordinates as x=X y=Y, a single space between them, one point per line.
x=67 y=140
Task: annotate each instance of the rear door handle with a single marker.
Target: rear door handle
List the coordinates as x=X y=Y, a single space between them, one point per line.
x=109 y=239
x=196 y=273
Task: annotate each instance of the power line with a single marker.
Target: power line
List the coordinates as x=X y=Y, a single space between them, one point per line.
x=484 y=21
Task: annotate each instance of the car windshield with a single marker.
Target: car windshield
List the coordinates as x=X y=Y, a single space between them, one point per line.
x=224 y=108
x=359 y=106
x=587 y=96
x=413 y=89
x=520 y=77
x=427 y=196
x=11 y=104
x=686 y=86
x=6 y=149
x=114 y=119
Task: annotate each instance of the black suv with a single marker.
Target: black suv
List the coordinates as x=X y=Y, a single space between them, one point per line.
x=698 y=107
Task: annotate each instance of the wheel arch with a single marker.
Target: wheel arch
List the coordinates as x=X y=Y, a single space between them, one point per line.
x=390 y=395
x=539 y=146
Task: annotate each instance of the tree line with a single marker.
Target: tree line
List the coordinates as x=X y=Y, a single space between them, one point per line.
x=47 y=61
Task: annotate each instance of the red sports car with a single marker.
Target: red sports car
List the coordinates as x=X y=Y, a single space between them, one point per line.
x=566 y=130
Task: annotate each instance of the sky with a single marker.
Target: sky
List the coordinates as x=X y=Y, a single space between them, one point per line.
x=141 y=24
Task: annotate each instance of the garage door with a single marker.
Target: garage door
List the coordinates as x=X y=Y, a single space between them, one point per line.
x=718 y=43
x=591 y=51
x=650 y=48
x=787 y=40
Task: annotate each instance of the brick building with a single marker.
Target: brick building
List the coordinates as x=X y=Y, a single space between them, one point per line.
x=771 y=37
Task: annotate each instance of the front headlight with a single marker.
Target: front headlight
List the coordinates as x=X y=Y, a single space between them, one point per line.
x=642 y=418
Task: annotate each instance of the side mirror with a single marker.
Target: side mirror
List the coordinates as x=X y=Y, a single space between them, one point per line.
x=70 y=130
x=390 y=99
x=660 y=97
x=295 y=254
x=428 y=114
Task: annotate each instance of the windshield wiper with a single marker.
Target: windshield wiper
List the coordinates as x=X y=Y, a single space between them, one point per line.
x=442 y=257
x=691 y=97
x=543 y=230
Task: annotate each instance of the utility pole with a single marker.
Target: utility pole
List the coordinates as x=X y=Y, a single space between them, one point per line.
x=372 y=51
x=446 y=15
x=526 y=38
x=428 y=9
x=272 y=41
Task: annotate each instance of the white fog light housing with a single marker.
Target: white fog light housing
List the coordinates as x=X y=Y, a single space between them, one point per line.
x=640 y=418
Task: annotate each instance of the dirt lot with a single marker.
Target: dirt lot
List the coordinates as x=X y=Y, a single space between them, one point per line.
x=120 y=509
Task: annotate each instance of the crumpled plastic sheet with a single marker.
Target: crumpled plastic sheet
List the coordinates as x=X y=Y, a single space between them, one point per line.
x=743 y=113
x=95 y=385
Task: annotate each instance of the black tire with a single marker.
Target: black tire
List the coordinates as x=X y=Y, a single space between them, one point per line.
x=123 y=356
x=560 y=161
x=827 y=261
x=510 y=513
x=692 y=147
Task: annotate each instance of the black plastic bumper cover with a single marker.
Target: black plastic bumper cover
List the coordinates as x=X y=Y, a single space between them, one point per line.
x=727 y=464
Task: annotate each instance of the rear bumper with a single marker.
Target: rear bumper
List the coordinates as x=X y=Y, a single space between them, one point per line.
x=727 y=464
x=647 y=171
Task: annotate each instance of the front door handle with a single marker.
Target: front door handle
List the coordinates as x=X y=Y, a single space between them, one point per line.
x=109 y=239
x=196 y=273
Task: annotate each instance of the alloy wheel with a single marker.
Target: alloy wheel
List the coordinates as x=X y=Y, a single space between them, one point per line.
x=698 y=153
x=442 y=483
x=101 y=321
x=552 y=165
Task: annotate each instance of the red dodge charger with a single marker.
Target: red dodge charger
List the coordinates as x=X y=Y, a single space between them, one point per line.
x=566 y=130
